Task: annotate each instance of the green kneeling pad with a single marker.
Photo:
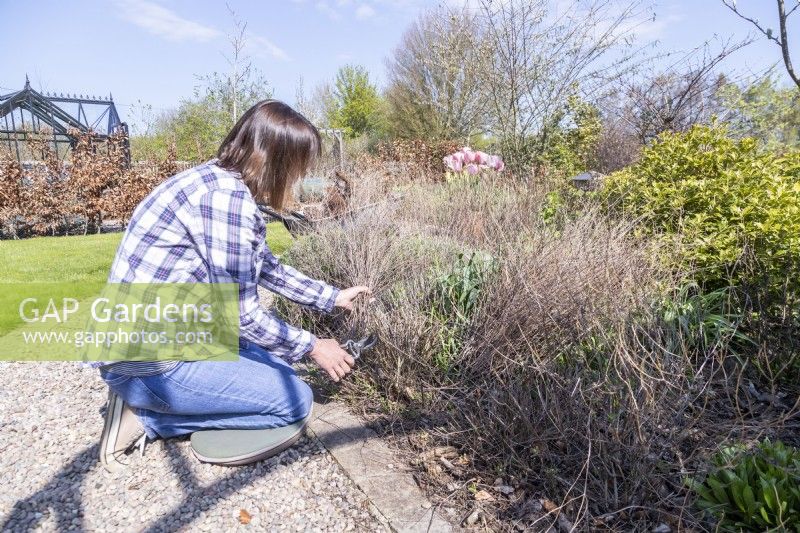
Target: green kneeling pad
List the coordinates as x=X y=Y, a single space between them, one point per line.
x=233 y=447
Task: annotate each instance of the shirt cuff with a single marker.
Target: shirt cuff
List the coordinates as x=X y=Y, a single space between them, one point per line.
x=305 y=343
x=327 y=299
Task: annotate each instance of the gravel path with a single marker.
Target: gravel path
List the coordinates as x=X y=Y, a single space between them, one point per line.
x=51 y=480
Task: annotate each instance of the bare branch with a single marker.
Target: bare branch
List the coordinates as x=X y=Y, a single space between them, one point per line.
x=781 y=40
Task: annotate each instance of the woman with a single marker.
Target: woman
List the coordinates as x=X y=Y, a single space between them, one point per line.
x=202 y=226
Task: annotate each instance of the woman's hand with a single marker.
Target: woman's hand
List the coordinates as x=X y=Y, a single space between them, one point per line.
x=347 y=296
x=332 y=358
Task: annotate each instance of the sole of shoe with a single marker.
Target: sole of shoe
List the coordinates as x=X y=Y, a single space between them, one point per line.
x=111 y=427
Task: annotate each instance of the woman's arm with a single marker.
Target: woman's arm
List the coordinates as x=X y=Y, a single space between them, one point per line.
x=228 y=221
x=301 y=289
x=296 y=286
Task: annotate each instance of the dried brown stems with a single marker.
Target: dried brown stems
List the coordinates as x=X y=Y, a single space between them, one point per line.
x=566 y=380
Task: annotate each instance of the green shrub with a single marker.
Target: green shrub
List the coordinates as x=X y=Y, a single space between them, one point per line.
x=756 y=490
x=733 y=207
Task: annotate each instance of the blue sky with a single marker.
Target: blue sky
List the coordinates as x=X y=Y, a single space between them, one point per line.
x=152 y=50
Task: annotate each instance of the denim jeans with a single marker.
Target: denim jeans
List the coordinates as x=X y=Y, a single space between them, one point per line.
x=258 y=391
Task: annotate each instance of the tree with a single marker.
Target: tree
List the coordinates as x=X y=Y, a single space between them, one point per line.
x=435 y=78
x=200 y=123
x=539 y=58
x=782 y=39
x=765 y=111
x=678 y=98
x=318 y=106
x=356 y=105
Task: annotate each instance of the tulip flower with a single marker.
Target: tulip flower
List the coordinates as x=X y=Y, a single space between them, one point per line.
x=472 y=162
x=469 y=155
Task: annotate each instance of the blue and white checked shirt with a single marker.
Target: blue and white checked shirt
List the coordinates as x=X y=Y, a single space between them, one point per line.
x=203 y=226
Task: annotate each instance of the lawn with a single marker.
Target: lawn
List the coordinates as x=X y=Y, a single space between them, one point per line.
x=85 y=259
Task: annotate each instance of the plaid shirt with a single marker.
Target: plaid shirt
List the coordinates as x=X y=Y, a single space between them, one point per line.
x=203 y=226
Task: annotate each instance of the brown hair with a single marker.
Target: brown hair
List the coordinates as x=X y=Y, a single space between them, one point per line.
x=271 y=146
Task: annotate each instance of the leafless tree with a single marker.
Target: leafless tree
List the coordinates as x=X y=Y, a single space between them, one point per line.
x=239 y=63
x=435 y=77
x=538 y=58
x=316 y=106
x=781 y=39
x=676 y=97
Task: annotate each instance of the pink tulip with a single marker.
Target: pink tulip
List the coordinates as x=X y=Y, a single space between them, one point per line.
x=469 y=154
x=481 y=158
x=472 y=169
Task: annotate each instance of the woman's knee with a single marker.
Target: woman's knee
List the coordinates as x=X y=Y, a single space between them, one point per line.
x=304 y=401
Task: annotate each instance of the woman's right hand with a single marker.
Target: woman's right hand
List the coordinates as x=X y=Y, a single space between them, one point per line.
x=332 y=358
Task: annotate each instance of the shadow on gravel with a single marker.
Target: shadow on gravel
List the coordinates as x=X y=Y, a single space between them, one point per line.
x=61 y=495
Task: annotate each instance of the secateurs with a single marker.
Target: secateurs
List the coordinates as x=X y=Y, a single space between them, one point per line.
x=357 y=347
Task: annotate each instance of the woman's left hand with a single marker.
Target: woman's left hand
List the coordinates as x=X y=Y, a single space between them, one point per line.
x=347 y=296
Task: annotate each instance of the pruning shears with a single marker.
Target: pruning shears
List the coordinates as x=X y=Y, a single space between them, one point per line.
x=357 y=347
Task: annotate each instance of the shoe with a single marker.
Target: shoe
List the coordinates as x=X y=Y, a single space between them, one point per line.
x=236 y=447
x=121 y=432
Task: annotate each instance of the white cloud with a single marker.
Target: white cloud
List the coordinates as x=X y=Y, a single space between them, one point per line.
x=652 y=28
x=165 y=23
x=272 y=49
x=364 y=12
x=324 y=7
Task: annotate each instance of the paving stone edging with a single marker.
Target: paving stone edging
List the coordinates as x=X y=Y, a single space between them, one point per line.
x=376 y=469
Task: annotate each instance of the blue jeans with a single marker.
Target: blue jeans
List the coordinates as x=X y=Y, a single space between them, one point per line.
x=256 y=392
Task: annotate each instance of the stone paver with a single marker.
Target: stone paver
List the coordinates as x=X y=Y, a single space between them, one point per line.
x=376 y=469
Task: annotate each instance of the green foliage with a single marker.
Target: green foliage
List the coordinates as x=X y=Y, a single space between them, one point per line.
x=551 y=206
x=732 y=207
x=756 y=490
x=458 y=291
x=571 y=139
x=457 y=294
x=704 y=321
x=764 y=111
x=356 y=107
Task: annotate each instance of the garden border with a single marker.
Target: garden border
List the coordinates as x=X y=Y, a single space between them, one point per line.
x=395 y=497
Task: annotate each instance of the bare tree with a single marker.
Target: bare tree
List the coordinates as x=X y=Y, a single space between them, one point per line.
x=782 y=39
x=539 y=58
x=318 y=104
x=435 y=77
x=240 y=64
x=677 y=97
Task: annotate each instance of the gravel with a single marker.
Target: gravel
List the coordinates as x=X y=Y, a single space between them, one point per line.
x=51 y=480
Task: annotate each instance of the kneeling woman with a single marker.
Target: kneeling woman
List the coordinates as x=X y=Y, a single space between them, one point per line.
x=203 y=226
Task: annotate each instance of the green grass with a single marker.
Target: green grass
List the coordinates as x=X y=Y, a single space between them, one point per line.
x=58 y=259
x=82 y=258
x=86 y=259
x=278 y=238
